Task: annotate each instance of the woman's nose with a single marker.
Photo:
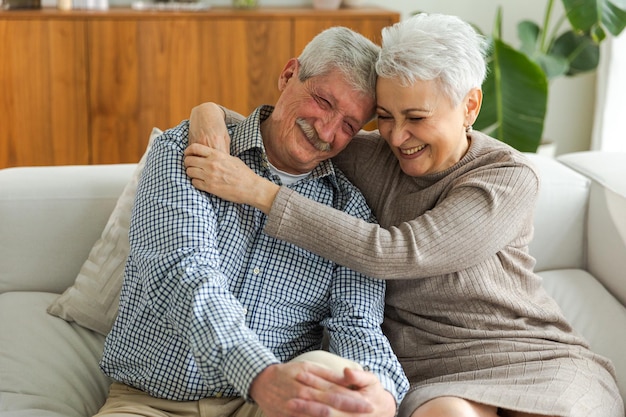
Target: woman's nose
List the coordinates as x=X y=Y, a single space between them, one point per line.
x=397 y=134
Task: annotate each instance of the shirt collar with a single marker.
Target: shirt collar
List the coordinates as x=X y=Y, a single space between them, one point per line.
x=247 y=135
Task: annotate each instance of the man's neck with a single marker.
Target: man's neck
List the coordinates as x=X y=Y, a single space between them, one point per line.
x=287 y=178
x=266 y=134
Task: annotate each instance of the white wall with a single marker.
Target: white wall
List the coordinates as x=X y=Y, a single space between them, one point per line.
x=571 y=101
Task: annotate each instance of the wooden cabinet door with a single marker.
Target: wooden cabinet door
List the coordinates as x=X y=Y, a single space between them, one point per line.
x=43 y=97
x=151 y=72
x=371 y=27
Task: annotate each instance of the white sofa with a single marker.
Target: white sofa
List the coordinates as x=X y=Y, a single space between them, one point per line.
x=50 y=218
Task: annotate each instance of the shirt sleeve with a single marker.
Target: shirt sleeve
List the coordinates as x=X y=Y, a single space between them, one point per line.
x=357 y=307
x=357 y=304
x=173 y=243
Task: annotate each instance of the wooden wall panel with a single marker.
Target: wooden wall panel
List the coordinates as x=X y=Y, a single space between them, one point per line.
x=114 y=91
x=152 y=73
x=43 y=118
x=83 y=87
x=306 y=28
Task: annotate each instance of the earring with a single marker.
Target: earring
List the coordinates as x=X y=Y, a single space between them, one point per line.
x=468 y=129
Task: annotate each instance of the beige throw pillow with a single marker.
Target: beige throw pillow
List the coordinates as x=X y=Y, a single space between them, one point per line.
x=92 y=301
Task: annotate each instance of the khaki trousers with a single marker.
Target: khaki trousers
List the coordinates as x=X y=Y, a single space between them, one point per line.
x=125 y=401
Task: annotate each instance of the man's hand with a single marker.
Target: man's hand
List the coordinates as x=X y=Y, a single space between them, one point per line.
x=372 y=400
x=302 y=389
x=228 y=177
x=207 y=127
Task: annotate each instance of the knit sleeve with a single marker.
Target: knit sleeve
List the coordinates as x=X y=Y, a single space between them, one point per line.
x=231 y=117
x=478 y=215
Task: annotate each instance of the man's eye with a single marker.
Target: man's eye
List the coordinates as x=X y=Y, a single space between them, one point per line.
x=322 y=101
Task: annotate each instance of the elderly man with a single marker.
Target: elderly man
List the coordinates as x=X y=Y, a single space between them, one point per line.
x=213 y=311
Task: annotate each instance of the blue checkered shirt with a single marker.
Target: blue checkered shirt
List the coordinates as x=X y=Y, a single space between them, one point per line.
x=209 y=300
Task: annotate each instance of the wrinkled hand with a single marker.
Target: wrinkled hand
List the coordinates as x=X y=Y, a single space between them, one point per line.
x=228 y=177
x=206 y=127
x=303 y=389
x=329 y=402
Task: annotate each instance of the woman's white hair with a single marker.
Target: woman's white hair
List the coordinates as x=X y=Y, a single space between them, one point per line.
x=340 y=48
x=436 y=47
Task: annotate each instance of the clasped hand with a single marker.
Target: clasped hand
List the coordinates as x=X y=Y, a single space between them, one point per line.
x=304 y=389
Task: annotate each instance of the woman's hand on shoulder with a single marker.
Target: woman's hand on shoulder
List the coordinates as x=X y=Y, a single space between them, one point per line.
x=228 y=177
x=207 y=127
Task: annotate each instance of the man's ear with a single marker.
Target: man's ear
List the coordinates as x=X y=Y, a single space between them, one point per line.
x=290 y=71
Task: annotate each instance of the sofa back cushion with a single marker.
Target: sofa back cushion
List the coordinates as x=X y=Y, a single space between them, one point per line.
x=560 y=216
x=50 y=218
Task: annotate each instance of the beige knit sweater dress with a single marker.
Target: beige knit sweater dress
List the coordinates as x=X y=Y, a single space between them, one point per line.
x=465 y=313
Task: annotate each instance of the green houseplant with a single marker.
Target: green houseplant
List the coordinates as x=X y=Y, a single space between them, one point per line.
x=516 y=88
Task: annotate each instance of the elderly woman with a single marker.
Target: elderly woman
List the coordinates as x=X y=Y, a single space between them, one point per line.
x=476 y=333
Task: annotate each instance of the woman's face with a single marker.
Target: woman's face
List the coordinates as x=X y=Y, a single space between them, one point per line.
x=422 y=127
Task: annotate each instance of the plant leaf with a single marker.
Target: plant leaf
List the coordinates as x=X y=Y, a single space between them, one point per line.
x=614 y=17
x=553 y=65
x=528 y=33
x=584 y=15
x=580 y=51
x=515 y=96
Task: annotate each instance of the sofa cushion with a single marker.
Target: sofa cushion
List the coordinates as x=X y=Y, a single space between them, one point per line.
x=593 y=312
x=606 y=231
x=559 y=239
x=48 y=367
x=53 y=215
x=93 y=300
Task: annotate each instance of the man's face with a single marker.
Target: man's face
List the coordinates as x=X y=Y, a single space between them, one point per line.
x=313 y=120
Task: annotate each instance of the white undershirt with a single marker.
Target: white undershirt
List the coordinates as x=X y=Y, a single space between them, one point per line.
x=287 y=178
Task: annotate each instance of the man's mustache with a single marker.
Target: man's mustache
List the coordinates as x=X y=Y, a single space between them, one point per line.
x=311 y=135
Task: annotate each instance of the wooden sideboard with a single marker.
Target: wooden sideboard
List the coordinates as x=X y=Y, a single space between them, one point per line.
x=83 y=87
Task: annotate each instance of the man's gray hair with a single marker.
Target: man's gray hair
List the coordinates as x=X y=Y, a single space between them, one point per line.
x=339 y=48
x=436 y=47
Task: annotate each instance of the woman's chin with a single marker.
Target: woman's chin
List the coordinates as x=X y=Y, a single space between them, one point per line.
x=412 y=168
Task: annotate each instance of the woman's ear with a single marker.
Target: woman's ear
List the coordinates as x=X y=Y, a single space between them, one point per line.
x=473 y=101
x=290 y=71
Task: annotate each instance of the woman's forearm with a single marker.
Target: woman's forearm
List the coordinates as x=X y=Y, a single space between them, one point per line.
x=264 y=198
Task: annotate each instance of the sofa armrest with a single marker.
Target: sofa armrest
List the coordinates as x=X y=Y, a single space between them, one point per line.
x=606 y=219
x=50 y=218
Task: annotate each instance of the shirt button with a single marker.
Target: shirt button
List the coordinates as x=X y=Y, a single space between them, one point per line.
x=256 y=271
x=218 y=395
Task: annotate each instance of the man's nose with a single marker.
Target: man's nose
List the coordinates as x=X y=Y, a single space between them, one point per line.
x=329 y=128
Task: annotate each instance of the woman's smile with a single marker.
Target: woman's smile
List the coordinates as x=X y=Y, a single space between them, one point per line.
x=412 y=151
